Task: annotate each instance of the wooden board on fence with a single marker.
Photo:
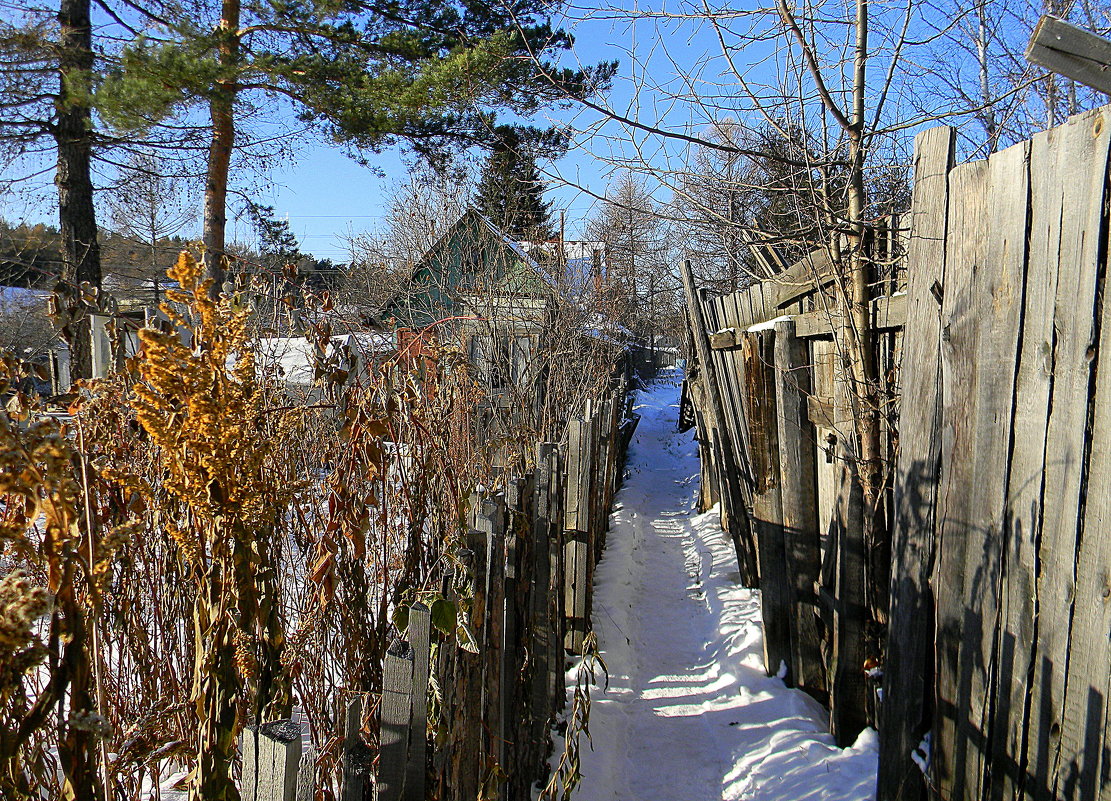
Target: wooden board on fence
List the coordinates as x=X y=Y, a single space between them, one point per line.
x=1067 y=239
x=577 y=509
x=1089 y=674
x=799 y=497
x=801 y=278
x=271 y=754
x=466 y=755
x=575 y=560
x=767 y=511
x=906 y=710
x=491 y=521
x=356 y=756
x=542 y=629
x=395 y=713
x=981 y=310
x=418 y=632
x=723 y=312
x=1071 y=51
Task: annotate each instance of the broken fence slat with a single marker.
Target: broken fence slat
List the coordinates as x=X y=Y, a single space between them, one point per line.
x=1072 y=52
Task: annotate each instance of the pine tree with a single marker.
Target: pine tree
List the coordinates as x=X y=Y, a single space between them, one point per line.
x=46 y=69
x=427 y=74
x=510 y=193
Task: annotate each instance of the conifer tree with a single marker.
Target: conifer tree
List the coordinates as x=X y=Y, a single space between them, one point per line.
x=510 y=192
x=46 y=69
x=427 y=74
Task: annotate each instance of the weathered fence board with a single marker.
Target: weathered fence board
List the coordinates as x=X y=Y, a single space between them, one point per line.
x=799 y=504
x=396 y=715
x=418 y=633
x=908 y=673
x=271 y=754
x=975 y=439
x=1072 y=248
x=775 y=586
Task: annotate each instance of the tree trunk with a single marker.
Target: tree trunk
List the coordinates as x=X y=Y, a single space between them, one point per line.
x=73 y=135
x=222 y=113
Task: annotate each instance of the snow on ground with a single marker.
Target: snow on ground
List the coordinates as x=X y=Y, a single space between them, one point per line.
x=690 y=714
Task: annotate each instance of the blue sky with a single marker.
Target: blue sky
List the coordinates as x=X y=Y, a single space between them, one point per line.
x=327 y=195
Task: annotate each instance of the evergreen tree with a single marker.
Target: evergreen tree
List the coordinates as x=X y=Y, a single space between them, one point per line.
x=510 y=193
x=46 y=69
x=427 y=74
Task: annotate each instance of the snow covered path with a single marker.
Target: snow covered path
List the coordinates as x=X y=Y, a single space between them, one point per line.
x=689 y=714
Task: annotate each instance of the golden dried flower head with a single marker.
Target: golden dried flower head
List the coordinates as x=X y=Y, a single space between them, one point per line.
x=21 y=604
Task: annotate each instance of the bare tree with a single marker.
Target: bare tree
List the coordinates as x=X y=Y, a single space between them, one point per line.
x=148 y=207
x=639 y=284
x=419 y=210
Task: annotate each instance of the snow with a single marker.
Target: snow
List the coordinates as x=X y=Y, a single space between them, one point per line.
x=296 y=358
x=17 y=296
x=689 y=714
x=768 y=325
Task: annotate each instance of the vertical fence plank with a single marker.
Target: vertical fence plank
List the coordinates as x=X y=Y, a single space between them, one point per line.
x=356 y=759
x=419 y=633
x=767 y=513
x=1068 y=237
x=1089 y=677
x=799 y=497
x=576 y=558
x=491 y=521
x=396 y=713
x=744 y=542
x=543 y=612
x=964 y=254
x=846 y=602
x=981 y=314
x=306 y=776
x=906 y=712
x=270 y=754
x=466 y=763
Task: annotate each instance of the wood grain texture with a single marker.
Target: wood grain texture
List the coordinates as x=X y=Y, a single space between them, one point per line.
x=981 y=315
x=799 y=503
x=395 y=715
x=767 y=510
x=418 y=632
x=906 y=712
x=1071 y=51
x=1068 y=173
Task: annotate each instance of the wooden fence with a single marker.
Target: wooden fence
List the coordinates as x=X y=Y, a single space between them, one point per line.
x=996 y=667
x=529 y=561
x=774 y=423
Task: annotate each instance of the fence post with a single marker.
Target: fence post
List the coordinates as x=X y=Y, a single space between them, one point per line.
x=556 y=612
x=356 y=760
x=270 y=755
x=540 y=575
x=419 y=632
x=396 y=714
x=465 y=758
x=577 y=551
x=844 y=572
x=799 y=494
x=491 y=521
x=744 y=541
